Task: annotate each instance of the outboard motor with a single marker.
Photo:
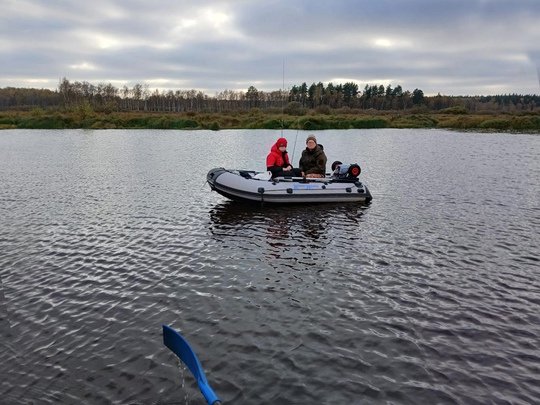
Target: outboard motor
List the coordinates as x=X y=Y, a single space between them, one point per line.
x=345 y=171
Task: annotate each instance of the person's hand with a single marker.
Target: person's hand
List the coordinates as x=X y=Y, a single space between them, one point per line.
x=288 y=168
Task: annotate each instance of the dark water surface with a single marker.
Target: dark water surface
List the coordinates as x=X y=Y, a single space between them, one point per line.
x=431 y=294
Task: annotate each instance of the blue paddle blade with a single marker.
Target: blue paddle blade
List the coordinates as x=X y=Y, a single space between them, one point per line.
x=179 y=346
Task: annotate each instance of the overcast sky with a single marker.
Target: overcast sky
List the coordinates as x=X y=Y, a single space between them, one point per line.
x=455 y=47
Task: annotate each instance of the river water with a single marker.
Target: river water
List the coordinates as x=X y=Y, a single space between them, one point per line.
x=430 y=294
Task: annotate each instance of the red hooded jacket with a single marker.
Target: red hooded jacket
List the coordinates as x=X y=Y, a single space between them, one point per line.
x=275 y=157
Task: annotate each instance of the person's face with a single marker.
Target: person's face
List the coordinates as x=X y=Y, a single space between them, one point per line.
x=282 y=148
x=311 y=144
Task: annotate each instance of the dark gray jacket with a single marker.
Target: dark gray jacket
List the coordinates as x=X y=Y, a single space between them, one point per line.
x=313 y=161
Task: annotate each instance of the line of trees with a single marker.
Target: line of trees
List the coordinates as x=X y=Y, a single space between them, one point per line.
x=348 y=95
x=104 y=97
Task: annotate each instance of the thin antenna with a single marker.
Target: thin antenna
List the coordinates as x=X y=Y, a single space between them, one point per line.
x=283 y=87
x=283 y=111
x=538 y=73
x=282 y=97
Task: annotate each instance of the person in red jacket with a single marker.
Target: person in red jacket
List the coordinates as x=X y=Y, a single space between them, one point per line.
x=278 y=162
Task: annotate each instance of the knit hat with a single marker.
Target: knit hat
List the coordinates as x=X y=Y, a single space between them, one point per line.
x=281 y=142
x=311 y=138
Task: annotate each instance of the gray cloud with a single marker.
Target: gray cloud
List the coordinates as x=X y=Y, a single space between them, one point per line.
x=455 y=47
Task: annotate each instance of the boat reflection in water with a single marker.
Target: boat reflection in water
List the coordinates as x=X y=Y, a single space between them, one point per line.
x=299 y=237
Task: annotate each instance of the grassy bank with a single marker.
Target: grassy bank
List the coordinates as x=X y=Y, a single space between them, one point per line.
x=257 y=119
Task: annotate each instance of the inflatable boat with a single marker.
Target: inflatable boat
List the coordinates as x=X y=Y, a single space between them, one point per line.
x=245 y=185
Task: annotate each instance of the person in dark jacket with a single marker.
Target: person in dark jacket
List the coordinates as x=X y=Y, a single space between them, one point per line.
x=278 y=162
x=313 y=160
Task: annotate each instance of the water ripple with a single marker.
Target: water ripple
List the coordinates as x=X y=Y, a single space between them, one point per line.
x=428 y=295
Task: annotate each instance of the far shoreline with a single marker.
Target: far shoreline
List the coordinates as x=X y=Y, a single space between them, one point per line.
x=311 y=120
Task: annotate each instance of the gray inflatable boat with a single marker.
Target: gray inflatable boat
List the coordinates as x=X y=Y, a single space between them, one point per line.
x=245 y=185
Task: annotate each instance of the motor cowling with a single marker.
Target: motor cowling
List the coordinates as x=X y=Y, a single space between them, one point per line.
x=344 y=171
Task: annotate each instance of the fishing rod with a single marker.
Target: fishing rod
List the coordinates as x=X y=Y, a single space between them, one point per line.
x=294 y=147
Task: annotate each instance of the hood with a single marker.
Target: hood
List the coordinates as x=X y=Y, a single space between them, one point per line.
x=276 y=149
